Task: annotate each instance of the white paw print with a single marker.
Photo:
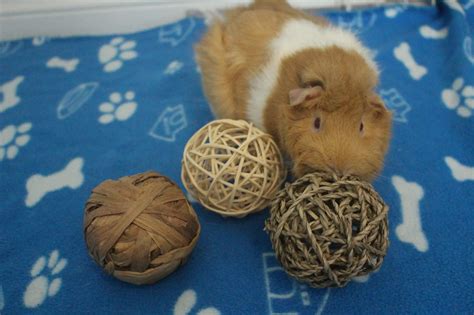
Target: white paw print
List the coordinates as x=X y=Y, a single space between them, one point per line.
x=173 y=67
x=118 y=108
x=113 y=55
x=12 y=138
x=42 y=285
x=186 y=302
x=459 y=97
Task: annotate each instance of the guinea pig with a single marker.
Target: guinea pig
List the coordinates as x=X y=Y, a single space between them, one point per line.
x=306 y=82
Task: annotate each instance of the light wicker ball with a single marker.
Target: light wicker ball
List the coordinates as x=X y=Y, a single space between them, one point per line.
x=232 y=168
x=326 y=229
x=140 y=228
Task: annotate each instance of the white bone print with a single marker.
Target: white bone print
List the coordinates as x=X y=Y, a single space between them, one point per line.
x=468 y=5
x=362 y=279
x=410 y=230
x=455 y=5
x=431 y=33
x=403 y=53
x=366 y=278
x=459 y=171
x=67 y=65
x=9 y=92
x=38 y=185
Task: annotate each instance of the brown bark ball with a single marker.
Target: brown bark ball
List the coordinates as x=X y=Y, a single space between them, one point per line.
x=327 y=229
x=140 y=228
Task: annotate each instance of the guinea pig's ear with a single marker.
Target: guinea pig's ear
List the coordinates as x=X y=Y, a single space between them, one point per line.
x=377 y=107
x=300 y=95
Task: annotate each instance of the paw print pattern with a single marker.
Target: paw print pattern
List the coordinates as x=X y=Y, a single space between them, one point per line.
x=118 y=108
x=459 y=97
x=43 y=285
x=12 y=138
x=113 y=55
x=186 y=302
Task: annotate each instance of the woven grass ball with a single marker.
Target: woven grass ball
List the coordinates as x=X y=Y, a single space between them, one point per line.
x=139 y=228
x=232 y=168
x=326 y=229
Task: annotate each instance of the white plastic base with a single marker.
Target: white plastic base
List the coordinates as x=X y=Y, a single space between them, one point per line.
x=29 y=18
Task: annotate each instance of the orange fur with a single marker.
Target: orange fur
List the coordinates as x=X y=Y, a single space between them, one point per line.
x=232 y=52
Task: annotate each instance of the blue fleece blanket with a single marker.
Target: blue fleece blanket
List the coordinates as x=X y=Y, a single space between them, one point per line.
x=77 y=111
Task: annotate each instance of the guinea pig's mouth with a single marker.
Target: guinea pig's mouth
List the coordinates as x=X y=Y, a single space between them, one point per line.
x=306 y=169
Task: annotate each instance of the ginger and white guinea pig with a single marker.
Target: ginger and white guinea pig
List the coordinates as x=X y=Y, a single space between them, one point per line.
x=307 y=83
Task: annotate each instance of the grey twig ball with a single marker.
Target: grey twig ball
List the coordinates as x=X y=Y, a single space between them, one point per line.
x=327 y=229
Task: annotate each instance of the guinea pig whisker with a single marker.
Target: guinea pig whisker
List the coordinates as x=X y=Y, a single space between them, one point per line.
x=383 y=178
x=331 y=169
x=348 y=171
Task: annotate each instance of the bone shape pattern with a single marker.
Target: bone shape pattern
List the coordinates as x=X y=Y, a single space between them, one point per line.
x=455 y=5
x=9 y=92
x=410 y=230
x=67 y=65
x=431 y=33
x=403 y=53
x=38 y=185
x=459 y=171
x=468 y=5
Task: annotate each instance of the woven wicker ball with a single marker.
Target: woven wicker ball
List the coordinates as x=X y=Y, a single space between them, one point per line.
x=139 y=228
x=326 y=229
x=232 y=168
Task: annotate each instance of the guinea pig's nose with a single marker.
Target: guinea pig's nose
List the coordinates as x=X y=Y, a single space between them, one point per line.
x=340 y=172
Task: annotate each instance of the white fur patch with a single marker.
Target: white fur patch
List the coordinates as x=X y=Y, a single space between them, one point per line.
x=295 y=36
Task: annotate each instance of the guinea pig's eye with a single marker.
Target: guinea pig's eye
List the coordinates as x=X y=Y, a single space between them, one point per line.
x=361 y=127
x=317 y=123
